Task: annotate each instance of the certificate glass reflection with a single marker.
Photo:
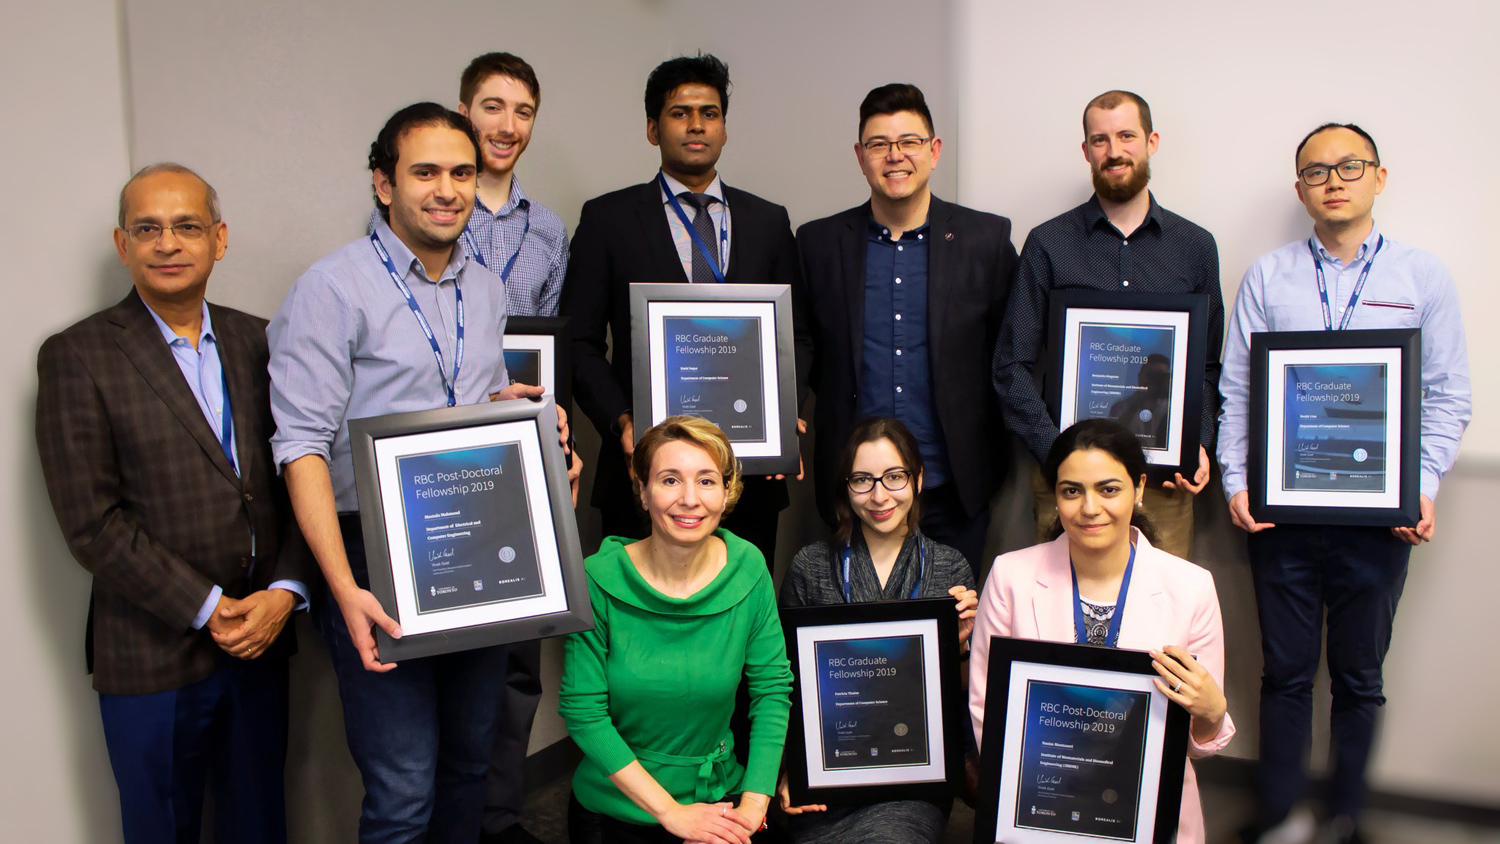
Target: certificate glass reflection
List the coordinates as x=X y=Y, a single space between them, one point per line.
x=713 y=369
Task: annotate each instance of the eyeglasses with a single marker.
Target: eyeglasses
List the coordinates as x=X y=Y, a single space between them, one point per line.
x=909 y=145
x=151 y=232
x=1349 y=171
x=895 y=480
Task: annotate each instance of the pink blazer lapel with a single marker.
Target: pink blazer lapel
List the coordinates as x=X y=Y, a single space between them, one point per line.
x=1146 y=606
x=1052 y=603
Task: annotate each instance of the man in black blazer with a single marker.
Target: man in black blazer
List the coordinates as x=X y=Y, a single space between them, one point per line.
x=905 y=294
x=153 y=424
x=634 y=235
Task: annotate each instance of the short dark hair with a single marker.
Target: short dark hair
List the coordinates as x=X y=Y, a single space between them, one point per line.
x=497 y=64
x=869 y=431
x=889 y=99
x=1374 y=150
x=1111 y=438
x=385 y=149
x=1110 y=100
x=702 y=69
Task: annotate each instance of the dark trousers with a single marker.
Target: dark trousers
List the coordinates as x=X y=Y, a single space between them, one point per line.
x=945 y=520
x=505 y=788
x=585 y=827
x=755 y=518
x=1357 y=573
x=420 y=734
x=227 y=731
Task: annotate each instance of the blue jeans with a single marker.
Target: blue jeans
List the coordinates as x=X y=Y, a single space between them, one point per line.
x=1357 y=573
x=227 y=730
x=420 y=734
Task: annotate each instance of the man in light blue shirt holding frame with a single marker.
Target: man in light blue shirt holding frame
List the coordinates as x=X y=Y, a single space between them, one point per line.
x=1357 y=573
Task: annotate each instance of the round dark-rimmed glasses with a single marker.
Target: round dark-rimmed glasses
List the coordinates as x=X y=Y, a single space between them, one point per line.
x=895 y=480
x=1349 y=171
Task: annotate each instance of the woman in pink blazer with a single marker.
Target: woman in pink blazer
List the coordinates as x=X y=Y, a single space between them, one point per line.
x=1169 y=608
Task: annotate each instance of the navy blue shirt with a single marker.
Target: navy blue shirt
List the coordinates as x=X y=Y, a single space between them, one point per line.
x=896 y=375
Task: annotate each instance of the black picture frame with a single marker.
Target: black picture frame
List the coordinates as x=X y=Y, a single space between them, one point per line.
x=1188 y=364
x=777 y=453
x=553 y=332
x=999 y=721
x=565 y=596
x=949 y=707
x=1399 y=500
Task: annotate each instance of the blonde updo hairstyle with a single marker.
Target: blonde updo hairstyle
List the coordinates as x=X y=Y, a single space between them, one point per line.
x=695 y=431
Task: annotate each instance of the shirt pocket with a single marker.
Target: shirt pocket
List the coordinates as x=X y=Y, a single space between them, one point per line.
x=1393 y=312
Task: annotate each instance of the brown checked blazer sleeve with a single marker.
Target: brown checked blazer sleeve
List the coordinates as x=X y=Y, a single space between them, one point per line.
x=145 y=497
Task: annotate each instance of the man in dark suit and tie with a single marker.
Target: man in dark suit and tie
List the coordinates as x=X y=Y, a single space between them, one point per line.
x=635 y=235
x=153 y=423
x=906 y=293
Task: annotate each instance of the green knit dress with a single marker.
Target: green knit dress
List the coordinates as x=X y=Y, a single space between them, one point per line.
x=655 y=681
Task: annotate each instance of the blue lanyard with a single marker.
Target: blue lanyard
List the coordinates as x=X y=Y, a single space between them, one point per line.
x=411 y=302
x=510 y=264
x=713 y=264
x=1359 y=286
x=1080 y=627
x=226 y=419
x=916 y=588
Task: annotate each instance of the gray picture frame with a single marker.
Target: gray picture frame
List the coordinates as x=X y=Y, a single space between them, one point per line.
x=787 y=459
x=578 y=615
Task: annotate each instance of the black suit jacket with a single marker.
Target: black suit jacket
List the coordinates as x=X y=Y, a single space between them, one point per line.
x=970 y=265
x=623 y=238
x=146 y=499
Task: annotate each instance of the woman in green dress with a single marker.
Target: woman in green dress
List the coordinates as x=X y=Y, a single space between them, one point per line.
x=680 y=617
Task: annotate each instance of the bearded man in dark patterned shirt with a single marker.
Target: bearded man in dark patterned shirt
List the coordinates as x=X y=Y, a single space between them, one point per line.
x=1119 y=240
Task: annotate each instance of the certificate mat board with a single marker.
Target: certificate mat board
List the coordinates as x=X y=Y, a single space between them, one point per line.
x=1335 y=427
x=1078 y=744
x=877 y=706
x=1136 y=358
x=468 y=526
x=538 y=351
x=724 y=352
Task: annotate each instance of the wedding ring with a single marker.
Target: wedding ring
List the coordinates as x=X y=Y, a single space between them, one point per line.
x=1177 y=687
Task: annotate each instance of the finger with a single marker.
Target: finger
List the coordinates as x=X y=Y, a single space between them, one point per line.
x=1182 y=656
x=1171 y=695
x=1170 y=669
x=233 y=608
x=384 y=622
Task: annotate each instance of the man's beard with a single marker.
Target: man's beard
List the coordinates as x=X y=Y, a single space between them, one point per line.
x=1125 y=191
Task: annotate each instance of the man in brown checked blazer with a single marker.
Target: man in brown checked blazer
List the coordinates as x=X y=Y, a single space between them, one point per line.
x=153 y=423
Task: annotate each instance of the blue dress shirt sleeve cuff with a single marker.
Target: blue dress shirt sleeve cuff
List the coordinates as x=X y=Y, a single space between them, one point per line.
x=207 y=610
x=297 y=588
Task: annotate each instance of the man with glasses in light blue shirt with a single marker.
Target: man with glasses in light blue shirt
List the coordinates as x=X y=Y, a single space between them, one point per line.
x=1372 y=282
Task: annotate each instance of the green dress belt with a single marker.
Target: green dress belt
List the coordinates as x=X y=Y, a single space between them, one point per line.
x=713 y=769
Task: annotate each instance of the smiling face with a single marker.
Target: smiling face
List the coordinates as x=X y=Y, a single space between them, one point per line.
x=683 y=494
x=897 y=175
x=1118 y=151
x=1337 y=204
x=882 y=511
x=170 y=268
x=690 y=131
x=1095 y=499
x=503 y=112
x=432 y=191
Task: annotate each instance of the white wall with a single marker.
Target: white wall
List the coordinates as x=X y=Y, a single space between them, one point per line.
x=64 y=148
x=1233 y=88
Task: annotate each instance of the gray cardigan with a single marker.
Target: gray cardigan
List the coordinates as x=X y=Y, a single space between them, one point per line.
x=815 y=577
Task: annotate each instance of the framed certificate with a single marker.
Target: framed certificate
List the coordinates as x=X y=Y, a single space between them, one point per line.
x=1335 y=427
x=468 y=527
x=538 y=352
x=1137 y=358
x=723 y=352
x=877 y=705
x=1078 y=743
